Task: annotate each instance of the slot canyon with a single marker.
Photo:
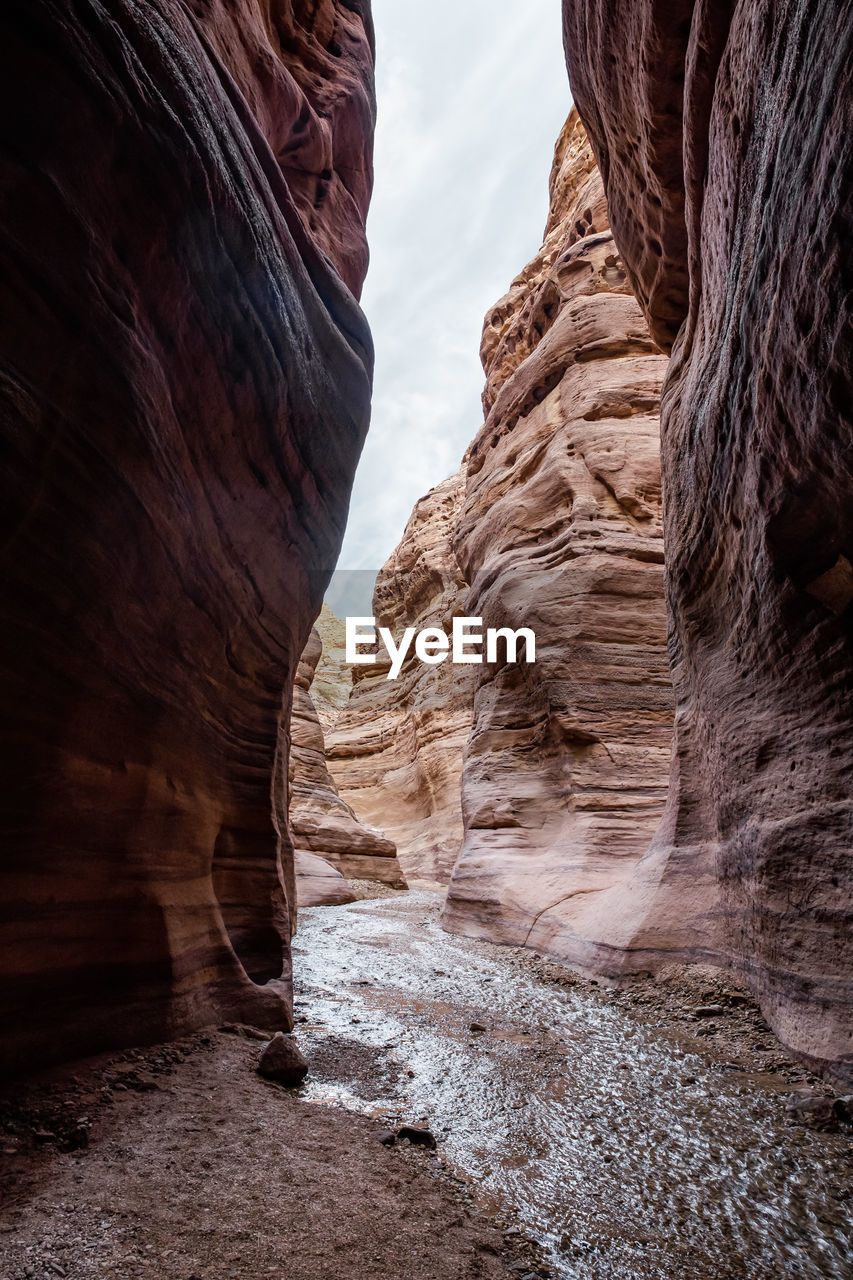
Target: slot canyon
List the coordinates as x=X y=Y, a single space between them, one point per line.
x=534 y=969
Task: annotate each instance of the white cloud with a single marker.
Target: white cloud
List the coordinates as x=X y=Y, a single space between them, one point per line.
x=472 y=95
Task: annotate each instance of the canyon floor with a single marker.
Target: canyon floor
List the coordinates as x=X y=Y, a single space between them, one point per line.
x=583 y=1133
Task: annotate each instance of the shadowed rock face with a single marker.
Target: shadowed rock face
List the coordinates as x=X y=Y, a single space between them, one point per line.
x=184 y=380
x=560 y=531
x=321 y=823
x=724 y=135
x=396 y=747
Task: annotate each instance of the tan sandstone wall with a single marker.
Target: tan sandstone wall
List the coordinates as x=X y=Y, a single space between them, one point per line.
x=396 y=749
x=567 y=764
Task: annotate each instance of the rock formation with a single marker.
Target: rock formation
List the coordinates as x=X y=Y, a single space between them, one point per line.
x=725 y=134
x=396 y=748
x=185 y=383
x=560 y=531
x=321 y=823
x=332 y=683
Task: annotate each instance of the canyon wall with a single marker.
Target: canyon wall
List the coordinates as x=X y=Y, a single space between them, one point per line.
x=324 y=829
x=396 y=748
x=566 y=768
x=185 y=381
x=725 y=136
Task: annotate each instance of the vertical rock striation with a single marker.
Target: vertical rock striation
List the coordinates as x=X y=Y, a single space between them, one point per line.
x=322 y=825
x=396 y=748
x=725 y=134
x=184 y=381
x=567 y=765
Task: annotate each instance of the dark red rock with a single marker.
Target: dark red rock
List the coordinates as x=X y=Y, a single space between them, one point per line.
x=184 y=382
x=417 y=1136
x=724 y=137
x=283 y=1060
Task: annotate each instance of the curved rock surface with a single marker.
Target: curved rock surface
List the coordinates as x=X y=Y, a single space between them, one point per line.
x=567 y=766
x=396 y=747
x=185 y=381
x=321 y=823
x=725 y=133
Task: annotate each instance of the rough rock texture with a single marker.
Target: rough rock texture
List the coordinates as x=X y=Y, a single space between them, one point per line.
x=566 y=770
x=725 y=134
x=332 y=684
x=321 y=823
x=184 y=381
x=396 y=748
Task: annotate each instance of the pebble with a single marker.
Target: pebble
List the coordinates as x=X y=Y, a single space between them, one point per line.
x=416 y=1136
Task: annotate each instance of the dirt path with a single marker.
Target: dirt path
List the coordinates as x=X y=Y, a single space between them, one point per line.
x=196 y=1169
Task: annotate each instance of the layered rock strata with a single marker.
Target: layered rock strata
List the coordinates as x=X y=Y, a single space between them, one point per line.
x=560 y=531
x=185 y=381
x=724 y=133
x=396 y=748
x=321 y=823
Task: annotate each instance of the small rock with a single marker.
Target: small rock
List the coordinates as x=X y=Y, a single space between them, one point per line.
x=477 y=1028
x=844 y=1109
x=709 y=1010
x=416 y=1136
x=283 y=1060
x=815 y=1110
x=387 y=1137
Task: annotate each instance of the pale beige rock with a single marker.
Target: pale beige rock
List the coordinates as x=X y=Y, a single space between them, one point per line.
x=567 y=766
x=318 y=883
x=396 y=749
x=332 y=682
x=321 y=823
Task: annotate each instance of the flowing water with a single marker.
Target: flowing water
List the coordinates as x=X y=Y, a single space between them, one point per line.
x=625 y=1156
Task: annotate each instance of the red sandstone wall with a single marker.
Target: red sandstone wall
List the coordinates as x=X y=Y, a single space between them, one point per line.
x=725 y=136
x=184 y=381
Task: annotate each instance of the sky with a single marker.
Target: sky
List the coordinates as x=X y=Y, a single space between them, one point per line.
x=472 y=95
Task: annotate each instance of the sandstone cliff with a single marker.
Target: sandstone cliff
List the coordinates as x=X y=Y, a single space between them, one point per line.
x=396 y=748
x=185 y=387
x=560 y=530
x=726 y=136
x=321 y=823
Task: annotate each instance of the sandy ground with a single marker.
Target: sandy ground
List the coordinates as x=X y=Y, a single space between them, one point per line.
x=180 y=1162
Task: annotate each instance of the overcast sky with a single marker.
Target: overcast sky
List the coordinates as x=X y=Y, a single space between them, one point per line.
x=472 y=96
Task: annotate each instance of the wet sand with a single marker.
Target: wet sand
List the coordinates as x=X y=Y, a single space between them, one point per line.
x=631 y=1136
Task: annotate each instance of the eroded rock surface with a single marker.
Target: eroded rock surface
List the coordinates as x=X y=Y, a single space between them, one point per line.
x=185 y=384
x=724 y=133
x=396 y=748
x=560 y=531
x=323 y=827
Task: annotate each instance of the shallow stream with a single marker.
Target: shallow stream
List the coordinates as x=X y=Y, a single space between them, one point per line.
x=626 y=1156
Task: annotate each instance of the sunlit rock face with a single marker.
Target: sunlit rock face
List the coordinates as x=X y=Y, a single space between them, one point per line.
x=567 y=765
x=321 y=823
x=185 y=384
x=396 y=748
x=724 y=134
